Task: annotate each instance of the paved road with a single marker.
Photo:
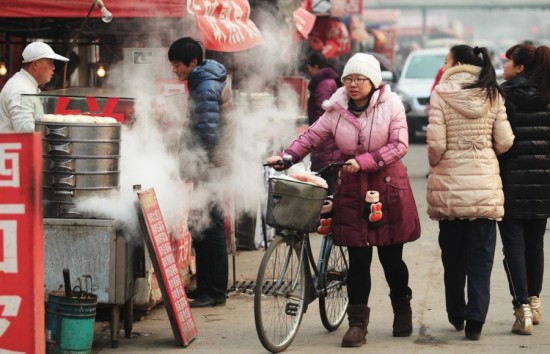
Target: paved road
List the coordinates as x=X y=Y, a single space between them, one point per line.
x=230 y=329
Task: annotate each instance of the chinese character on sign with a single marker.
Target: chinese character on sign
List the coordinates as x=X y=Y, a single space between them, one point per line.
x=9 y=165
x=8 y=238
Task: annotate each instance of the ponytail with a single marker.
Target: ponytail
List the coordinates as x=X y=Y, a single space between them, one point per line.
x=487 y=77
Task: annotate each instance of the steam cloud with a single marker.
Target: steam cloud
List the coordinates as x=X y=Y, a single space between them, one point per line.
x=260 y=126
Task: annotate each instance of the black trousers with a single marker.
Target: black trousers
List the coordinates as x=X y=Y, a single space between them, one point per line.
x=359 y=279
x=523 y=247
x=467 y=253
x=211 y=257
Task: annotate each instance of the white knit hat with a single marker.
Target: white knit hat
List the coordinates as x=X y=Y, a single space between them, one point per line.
x=364 y=64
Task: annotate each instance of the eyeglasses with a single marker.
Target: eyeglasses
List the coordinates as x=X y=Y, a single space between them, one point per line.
x=48 y=61
x=357 y=80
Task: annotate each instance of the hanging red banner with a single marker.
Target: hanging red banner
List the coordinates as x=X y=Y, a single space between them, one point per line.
x=303 y=21
x=225 y=25
x=330 y=36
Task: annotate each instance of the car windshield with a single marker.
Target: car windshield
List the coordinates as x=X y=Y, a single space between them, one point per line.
x=425 y=66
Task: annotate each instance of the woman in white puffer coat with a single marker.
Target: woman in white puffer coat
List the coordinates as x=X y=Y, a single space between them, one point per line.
x=467 y=129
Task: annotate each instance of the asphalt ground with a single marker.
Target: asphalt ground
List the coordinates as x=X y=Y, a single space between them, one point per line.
x=230 y=328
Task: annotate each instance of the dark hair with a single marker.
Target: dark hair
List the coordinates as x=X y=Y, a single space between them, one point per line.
x=185 y=50
x=317 y=58
x=536 y=64
x=487 y=77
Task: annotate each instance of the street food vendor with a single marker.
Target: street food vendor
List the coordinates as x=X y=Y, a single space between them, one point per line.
x=38 y=67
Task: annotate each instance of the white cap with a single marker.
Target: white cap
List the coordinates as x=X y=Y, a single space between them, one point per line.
x=364 y=64
x=40 y=50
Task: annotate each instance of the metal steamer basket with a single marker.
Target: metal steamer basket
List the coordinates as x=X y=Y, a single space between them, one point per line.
x=294 y=205
x=79 y=160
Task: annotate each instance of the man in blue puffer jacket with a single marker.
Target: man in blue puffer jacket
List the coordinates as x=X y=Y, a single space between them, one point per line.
x=206 y=80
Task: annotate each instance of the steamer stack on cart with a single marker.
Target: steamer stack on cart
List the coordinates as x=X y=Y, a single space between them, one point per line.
x=82 y=130
x=80 y=159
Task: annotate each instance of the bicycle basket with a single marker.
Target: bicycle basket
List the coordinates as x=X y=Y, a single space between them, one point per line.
x=294 y=205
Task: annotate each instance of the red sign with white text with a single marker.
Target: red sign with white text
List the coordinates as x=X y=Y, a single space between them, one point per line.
x=225 y=25
x=21 y=244
x=160 y=248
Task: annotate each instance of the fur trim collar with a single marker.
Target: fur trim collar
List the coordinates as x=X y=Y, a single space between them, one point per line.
x=472 y=69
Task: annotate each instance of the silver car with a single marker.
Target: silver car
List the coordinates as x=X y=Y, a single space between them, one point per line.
x=414 y=86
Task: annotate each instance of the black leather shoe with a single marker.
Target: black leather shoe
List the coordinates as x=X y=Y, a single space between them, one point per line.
x=206 y=301
x=193 y=293
x=457 y=322
x=473 y=329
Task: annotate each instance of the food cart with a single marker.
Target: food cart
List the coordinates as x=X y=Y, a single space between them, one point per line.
x=82 y=130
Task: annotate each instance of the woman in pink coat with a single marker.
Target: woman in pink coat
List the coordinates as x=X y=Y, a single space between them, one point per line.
x=367 y=121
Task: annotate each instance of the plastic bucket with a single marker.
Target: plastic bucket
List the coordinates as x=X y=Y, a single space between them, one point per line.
x=70 y=322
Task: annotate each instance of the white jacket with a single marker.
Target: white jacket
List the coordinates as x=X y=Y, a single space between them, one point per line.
x=17 y=114
x=465 y=134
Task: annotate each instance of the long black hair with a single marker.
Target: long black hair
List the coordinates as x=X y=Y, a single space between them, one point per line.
x=487 y=77
x=536 y=64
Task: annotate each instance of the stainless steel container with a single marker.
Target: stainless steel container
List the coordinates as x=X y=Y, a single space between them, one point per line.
x=79 y=160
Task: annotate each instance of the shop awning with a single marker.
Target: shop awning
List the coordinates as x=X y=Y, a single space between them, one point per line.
x=79 y=8
x=224 y=26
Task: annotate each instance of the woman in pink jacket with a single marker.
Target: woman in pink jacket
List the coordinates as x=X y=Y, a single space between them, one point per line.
x=367 y=121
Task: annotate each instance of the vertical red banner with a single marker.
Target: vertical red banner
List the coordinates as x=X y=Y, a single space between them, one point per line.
x=21 y=244
x=162 y=256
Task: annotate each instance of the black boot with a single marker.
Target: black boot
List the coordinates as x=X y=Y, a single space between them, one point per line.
x=358 y=317
x=402 y=315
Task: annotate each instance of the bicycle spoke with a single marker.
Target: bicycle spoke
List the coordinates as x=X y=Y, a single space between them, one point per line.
x=335 y=300
x=279 y=301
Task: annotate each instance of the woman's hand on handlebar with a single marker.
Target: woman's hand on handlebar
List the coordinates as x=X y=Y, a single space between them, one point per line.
x=279 y=163
x=275 y=160
x=351 y=166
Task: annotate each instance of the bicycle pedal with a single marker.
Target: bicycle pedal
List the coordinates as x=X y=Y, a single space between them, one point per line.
x=334 y=275
x=291 y=309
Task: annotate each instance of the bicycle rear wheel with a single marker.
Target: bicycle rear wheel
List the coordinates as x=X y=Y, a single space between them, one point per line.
x=280 y=294
x=333 y=304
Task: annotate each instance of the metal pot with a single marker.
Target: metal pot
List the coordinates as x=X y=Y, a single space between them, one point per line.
x=78 y=131
x=72 y=164
x=84 y=148
x=80 y=160
x=80 y=180
x=73 y=194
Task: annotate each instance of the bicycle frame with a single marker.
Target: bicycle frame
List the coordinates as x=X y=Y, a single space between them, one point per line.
x=314 y=269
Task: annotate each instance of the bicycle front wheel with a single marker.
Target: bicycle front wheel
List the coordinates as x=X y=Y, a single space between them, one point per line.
x=280 y=294
x=333 y=304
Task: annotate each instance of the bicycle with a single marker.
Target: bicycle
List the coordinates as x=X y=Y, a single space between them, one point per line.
x=289 y=278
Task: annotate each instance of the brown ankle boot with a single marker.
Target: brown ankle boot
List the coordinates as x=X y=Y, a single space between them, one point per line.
x=358 y=318
x=402 y=316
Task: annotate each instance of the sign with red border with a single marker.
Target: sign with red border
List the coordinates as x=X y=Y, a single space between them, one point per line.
x=159 y=244
x=21 y=244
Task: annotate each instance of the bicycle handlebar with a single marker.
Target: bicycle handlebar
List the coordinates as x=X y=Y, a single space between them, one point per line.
x=333 y=165
x=286 y=162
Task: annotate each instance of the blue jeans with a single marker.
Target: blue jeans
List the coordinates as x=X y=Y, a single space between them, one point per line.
x=467 y=253
x=523 y=247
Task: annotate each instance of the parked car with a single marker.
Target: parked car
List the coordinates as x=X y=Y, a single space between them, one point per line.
x=414 y=86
